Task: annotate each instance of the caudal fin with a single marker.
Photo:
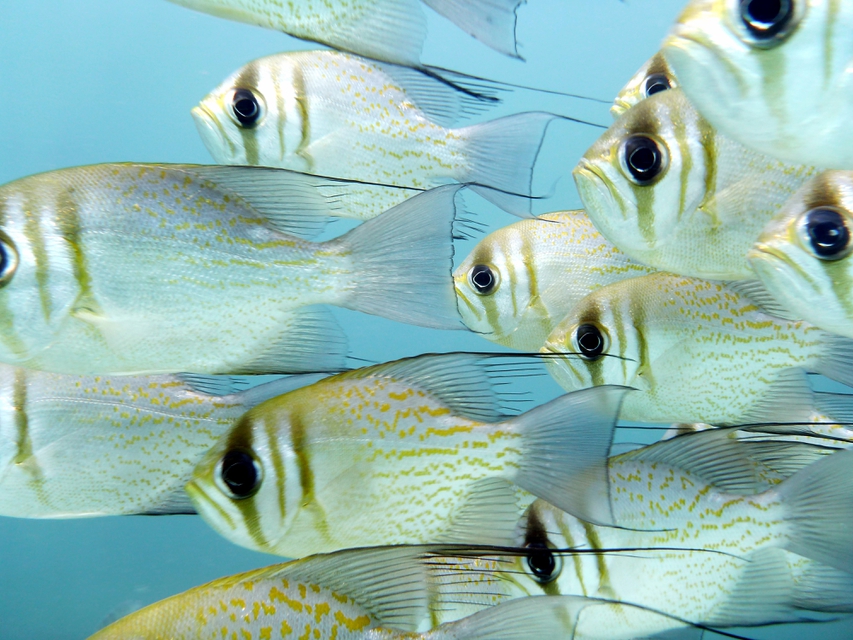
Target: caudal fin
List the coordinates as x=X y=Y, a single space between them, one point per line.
x=501 y=155
x=565 y=446
x=402 y=262
x=819 y=511
x=492 y=22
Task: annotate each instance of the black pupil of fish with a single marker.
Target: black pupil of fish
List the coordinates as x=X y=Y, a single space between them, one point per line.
x=765 y=18
x=4 y=260
x=246 y=107
x=656 y=84
x=643 y=158
x=482 y=278
x=239 y=473
x=590 y=342
x=541 y=561
x=828 y=233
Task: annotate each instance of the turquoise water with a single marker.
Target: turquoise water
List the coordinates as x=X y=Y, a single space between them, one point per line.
x=96 y=81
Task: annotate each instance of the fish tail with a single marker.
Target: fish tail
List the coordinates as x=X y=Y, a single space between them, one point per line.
x=824 y=588
x=501 y=155
x=565 y=446
x=492 y=22
x=402 y=262
x=819 y=511
x=836 y=360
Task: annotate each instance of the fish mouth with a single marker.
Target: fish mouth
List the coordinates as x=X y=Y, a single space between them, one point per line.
x=204 y=503
x=774 y=258
x=206 y=125
x=619 y=107
x=596 y=179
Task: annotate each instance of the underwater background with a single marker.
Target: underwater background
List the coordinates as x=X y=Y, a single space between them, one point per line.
x=94 y=81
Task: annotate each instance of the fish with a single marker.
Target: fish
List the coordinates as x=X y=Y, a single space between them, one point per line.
x=710 y=553
x=693 y=350
x=774 y=77
x=520 y=281
x=385 y=593
x=389 y=30
x=653 y=77
x=802 y=255
x=407 y=452
x=336 y=114
x=141 y=269
x=84 y=446
x=671 y=192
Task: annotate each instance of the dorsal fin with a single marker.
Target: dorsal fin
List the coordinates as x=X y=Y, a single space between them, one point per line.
x=468 y=383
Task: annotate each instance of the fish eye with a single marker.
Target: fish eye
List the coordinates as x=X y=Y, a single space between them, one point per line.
x=245 y=108
x=239 y=475
x=767 y=20
x=826 y=233
x=542 y=562
x=484 y=279
x=8 y=260
x=589 y=341
x=656 y=83
x=644 y=159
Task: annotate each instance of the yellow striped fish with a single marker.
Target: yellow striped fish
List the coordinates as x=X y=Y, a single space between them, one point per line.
x=75 y=446
x=131 y=268
x=709 y=553
x=520 y=281
x=340 y=115
x=696 y=351
x=803 y=255
x=408 y=452
x=774 y=76
x=653 y=77
x=671 y=192
x=392 y=30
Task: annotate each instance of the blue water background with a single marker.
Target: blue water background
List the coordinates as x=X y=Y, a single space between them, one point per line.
x=94 y=81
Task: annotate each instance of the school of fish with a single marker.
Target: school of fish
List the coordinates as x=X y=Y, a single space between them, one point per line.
x=707 y=279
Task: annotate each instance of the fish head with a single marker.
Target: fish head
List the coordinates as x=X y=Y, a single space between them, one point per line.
x=491 y=284
x=653 y=77
x=235 y=486
x=646 y=176
x=803 y=256
x=242 y=121
x=745 y=63
x=597 y=343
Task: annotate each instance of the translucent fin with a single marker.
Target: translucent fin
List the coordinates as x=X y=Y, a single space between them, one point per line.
x=763 y=299
x=492 y=22
x=564 y=448
x=819 y=511
x=683 y=428
x=175 y=503
x=789 y=400
x=390 y=582
x=837 y=359
x=311 y=340
x=823 y=588
x=402 y=262
x=762 y=595
x=468 y=383
x=837 y=406
x=489 y=515
x=501 y=155
x=291 y=202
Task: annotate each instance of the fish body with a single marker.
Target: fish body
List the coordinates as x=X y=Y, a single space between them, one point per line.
x=653 y=77
x=341 y=115
x=695 y=351
x=131 y=269
x=778 y=82
x=81 y=446
x=403 y=453
x=720 y=556
x=803 y=255
x=392 y=30
x=519 y=281
x=670 y=191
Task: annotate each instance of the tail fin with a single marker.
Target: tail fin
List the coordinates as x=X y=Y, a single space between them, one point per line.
x=837 y=359
x=819 y=511
x=565 y=446
x=501 y=155
x=402 y=262
x=492 y=22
